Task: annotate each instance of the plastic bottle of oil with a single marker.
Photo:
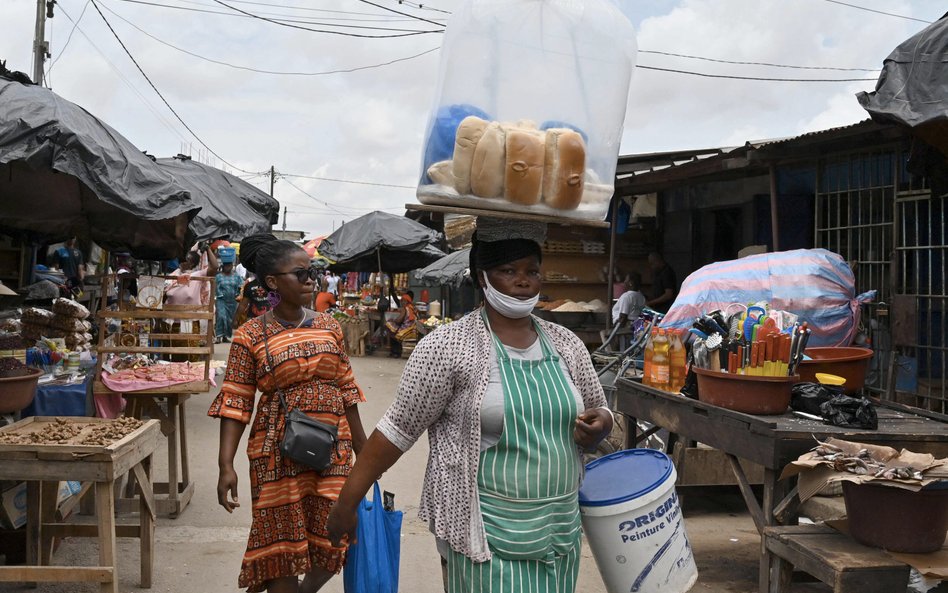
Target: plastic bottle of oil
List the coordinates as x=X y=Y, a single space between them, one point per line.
x=661 y=362
x=677 y=362
x=649 y=351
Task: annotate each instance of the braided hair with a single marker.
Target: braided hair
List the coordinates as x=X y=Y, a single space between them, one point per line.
x=264 y=254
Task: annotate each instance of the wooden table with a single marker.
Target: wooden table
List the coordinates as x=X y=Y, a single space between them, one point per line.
x=772 y=442
x=43 y=466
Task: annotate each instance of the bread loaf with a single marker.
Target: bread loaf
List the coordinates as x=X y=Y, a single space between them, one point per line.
x=465 y=141
x=487 y=167
x=523 y=175
x=441 y=173
x=564 y=173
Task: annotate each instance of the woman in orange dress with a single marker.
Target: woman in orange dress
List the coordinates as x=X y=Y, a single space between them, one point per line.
x=290 y=502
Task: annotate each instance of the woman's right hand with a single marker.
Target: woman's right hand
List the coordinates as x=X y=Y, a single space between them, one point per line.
x=227 y=483
x=341 y=526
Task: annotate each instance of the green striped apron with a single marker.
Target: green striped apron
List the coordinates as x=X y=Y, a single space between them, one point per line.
x=527 y=484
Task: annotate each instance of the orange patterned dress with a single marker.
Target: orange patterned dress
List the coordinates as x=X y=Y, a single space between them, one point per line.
x=290 y=502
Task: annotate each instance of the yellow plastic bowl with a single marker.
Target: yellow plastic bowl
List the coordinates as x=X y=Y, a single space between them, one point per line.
x=828 y=379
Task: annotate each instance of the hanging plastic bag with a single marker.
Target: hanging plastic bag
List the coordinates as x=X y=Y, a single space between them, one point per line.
x=372 y=562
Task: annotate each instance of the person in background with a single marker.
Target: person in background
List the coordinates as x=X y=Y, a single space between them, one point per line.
x=509 y=401
x=253 y=301
x=664 y=283
x=308 y=362
x=228 y=289
x=325 y=301
x=332 y=284
x=402 y=327
x=184 y=291
x=630 y=303
x=69 y=259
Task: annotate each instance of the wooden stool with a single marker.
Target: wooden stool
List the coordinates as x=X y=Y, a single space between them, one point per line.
x=832 y=557
x=172 y=496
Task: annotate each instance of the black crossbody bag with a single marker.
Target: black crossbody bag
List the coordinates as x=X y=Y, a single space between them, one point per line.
x=305 y=440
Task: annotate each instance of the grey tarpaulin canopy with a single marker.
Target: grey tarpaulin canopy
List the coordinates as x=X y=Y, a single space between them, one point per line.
x=451 y=269
x=913 y=87
x=230 y=207
x=381 y=241
x=63 y=172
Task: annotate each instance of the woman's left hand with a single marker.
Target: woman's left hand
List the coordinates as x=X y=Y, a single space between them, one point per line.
x=591 y=427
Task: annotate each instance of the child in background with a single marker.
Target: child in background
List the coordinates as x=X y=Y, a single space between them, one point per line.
x=228 y=288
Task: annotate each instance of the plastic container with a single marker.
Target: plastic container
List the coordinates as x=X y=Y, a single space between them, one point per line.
x=897 y=519
x=647 y=358
x=848 y=362
x=677 y=361
x=661 y=362
x=744 y=393
x=633 y=522
x=17 y=393
x=434 y=308
x=524 y=68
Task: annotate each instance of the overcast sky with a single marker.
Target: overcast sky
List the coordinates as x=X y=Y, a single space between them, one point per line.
x=368 y=125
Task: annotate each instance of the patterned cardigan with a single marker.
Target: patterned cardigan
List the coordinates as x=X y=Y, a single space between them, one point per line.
x=441 y=390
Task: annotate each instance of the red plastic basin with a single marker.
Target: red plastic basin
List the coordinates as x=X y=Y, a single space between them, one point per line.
x=848 y=362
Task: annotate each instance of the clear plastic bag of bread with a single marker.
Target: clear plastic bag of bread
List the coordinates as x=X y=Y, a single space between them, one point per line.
x=530 y=107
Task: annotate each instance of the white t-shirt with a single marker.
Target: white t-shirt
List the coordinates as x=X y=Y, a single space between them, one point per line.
x=630 y=303
x=332 y=284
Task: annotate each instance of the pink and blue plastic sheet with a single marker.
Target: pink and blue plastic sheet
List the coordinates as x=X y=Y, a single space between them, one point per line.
x=815 y=284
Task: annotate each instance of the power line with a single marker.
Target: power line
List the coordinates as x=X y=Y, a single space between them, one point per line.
x=348 y=181
x=292 y=26
x=329 y=205
x=755 y=77
x=899 y=16
x=75 y=24
x=161 y=119
x=259 y=70
x=665 y=53
x=422 y=6
x=400 y=12
x=282 y=21
x=377 y=18
x=154 y=88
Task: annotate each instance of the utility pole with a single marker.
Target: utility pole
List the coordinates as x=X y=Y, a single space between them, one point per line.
x=44 y=10
x=272 y=179
x=284 y=222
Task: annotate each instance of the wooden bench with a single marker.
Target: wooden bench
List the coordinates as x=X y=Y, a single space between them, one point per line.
x=833 y=557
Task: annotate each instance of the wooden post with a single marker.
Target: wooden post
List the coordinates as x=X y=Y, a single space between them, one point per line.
x=774 y=218
x=612 y=260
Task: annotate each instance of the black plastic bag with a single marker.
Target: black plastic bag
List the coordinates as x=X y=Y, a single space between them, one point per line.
x=850 y=412
x=808 y=397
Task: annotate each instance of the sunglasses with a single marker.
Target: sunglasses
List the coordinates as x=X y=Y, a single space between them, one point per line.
x=302 y=274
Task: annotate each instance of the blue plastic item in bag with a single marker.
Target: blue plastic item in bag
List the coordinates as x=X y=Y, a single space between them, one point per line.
x=372 y=562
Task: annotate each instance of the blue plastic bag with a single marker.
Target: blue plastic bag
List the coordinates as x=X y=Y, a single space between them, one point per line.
x=372 y=562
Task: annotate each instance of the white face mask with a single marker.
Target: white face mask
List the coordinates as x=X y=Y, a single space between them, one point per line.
x=506 y=305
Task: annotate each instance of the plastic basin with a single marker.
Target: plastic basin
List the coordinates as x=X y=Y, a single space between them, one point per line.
x=744 y=393
x=18 y=392
x=848 y=362
x=897 y=519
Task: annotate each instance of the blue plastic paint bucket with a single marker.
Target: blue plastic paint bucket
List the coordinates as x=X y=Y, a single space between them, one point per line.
x=633 y=522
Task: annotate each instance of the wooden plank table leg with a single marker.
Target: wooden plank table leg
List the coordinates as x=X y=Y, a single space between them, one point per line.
x=49 y=492
x=105 y=517
x=33 y=522
x=173 y=457
x=146 y=516
x=183 y=431
x=767 y=511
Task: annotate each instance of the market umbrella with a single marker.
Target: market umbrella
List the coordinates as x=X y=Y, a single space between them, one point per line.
x=64 y=173
x=451 y=269
x=913 y=87
x=379 y=241
x=230 y=207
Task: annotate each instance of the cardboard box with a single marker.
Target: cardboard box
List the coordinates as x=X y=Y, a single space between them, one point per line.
x=66 y=490
x=13 y=507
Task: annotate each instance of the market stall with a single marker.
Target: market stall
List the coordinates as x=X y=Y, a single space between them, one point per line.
x=44 y=451
x=65 y=174
x=772 y=441
x=151 y=357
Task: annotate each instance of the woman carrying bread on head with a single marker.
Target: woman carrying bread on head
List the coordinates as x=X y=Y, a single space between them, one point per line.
x=509 y=402
x=301 y=353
